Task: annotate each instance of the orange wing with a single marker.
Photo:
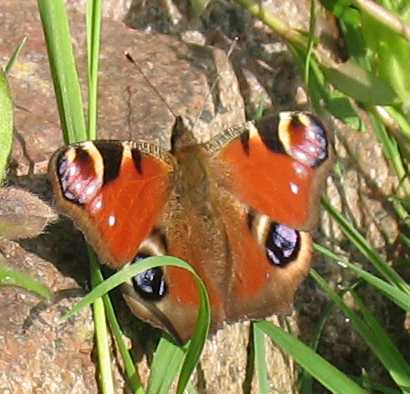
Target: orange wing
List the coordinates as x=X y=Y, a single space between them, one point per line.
x=278 y=168
x=114 y=191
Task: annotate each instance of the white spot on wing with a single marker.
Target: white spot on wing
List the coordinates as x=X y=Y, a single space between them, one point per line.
x=96 y=205
x=300 y=170
x=294 y=188
x=111 y=220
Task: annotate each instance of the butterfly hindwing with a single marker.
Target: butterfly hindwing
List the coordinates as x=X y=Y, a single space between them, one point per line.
x=114 y=191
x=269 y=260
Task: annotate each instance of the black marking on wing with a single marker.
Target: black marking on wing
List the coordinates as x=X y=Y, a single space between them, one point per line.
x=111 y=153
x=244 y=138
x=137 y=159
x=268 y=130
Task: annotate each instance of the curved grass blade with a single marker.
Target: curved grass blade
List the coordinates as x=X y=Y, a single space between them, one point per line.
x=202 y=325
x=197 y=342
x=318 y=367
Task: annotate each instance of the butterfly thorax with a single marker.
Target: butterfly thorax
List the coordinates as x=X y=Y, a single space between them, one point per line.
x=191 y=178
x=191 y=175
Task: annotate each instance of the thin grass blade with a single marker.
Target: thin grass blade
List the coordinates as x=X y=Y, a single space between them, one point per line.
x=6 y=123
x=62 y=65
x=11 y=277
x=387 y=351
x=94 y=13
x=15 y=55
x=260 y=359
x=399 y=297
x=363 y=246
x=318 y=367
x=373 y=334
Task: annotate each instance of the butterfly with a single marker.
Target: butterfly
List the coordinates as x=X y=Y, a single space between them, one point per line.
x=238 y=208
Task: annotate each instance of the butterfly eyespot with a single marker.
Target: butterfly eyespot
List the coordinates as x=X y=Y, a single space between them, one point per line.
x=282 y=244
x=304 y=138
x=150 y=284
x=78 y=179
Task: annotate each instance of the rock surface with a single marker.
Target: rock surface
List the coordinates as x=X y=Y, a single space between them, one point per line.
x=40 y=355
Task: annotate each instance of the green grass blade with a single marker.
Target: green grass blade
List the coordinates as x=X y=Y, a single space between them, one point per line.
x=358 y=83
x=101 y=332
x=362 y=245
x=165 y=367
x=306 y=381
x=311 y=41
x=198 y=340
x=318 y=367
x=10 y=277
x=277 y=25
x=385 y=349
x=15 y=55
x=373 y=335
x=124 y=275
x=391 y=151
x=199 y=7
x=94 y=11
x=6 y=124
x=63 y=70
x=104 y=359
x=258 y=338
x=399 y=297
x=68 y=94
x=131 y=372
x=202 y=325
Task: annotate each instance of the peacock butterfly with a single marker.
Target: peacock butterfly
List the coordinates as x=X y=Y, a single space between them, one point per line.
x=237 y=208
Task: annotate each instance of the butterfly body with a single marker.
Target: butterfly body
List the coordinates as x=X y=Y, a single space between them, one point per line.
x=236 y=208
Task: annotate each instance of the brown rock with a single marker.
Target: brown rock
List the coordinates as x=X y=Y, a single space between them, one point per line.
x=129 y=109
x=52 y=358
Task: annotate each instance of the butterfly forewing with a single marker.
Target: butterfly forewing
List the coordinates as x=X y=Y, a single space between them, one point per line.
x=114 y=191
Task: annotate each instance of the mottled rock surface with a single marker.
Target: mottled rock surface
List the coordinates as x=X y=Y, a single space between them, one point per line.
x=39 y=354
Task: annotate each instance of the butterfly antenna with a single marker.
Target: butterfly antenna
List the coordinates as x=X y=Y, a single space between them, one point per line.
x=230 y=50
x=139 y=69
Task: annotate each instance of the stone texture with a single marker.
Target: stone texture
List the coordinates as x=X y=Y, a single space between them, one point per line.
x=40 y=355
